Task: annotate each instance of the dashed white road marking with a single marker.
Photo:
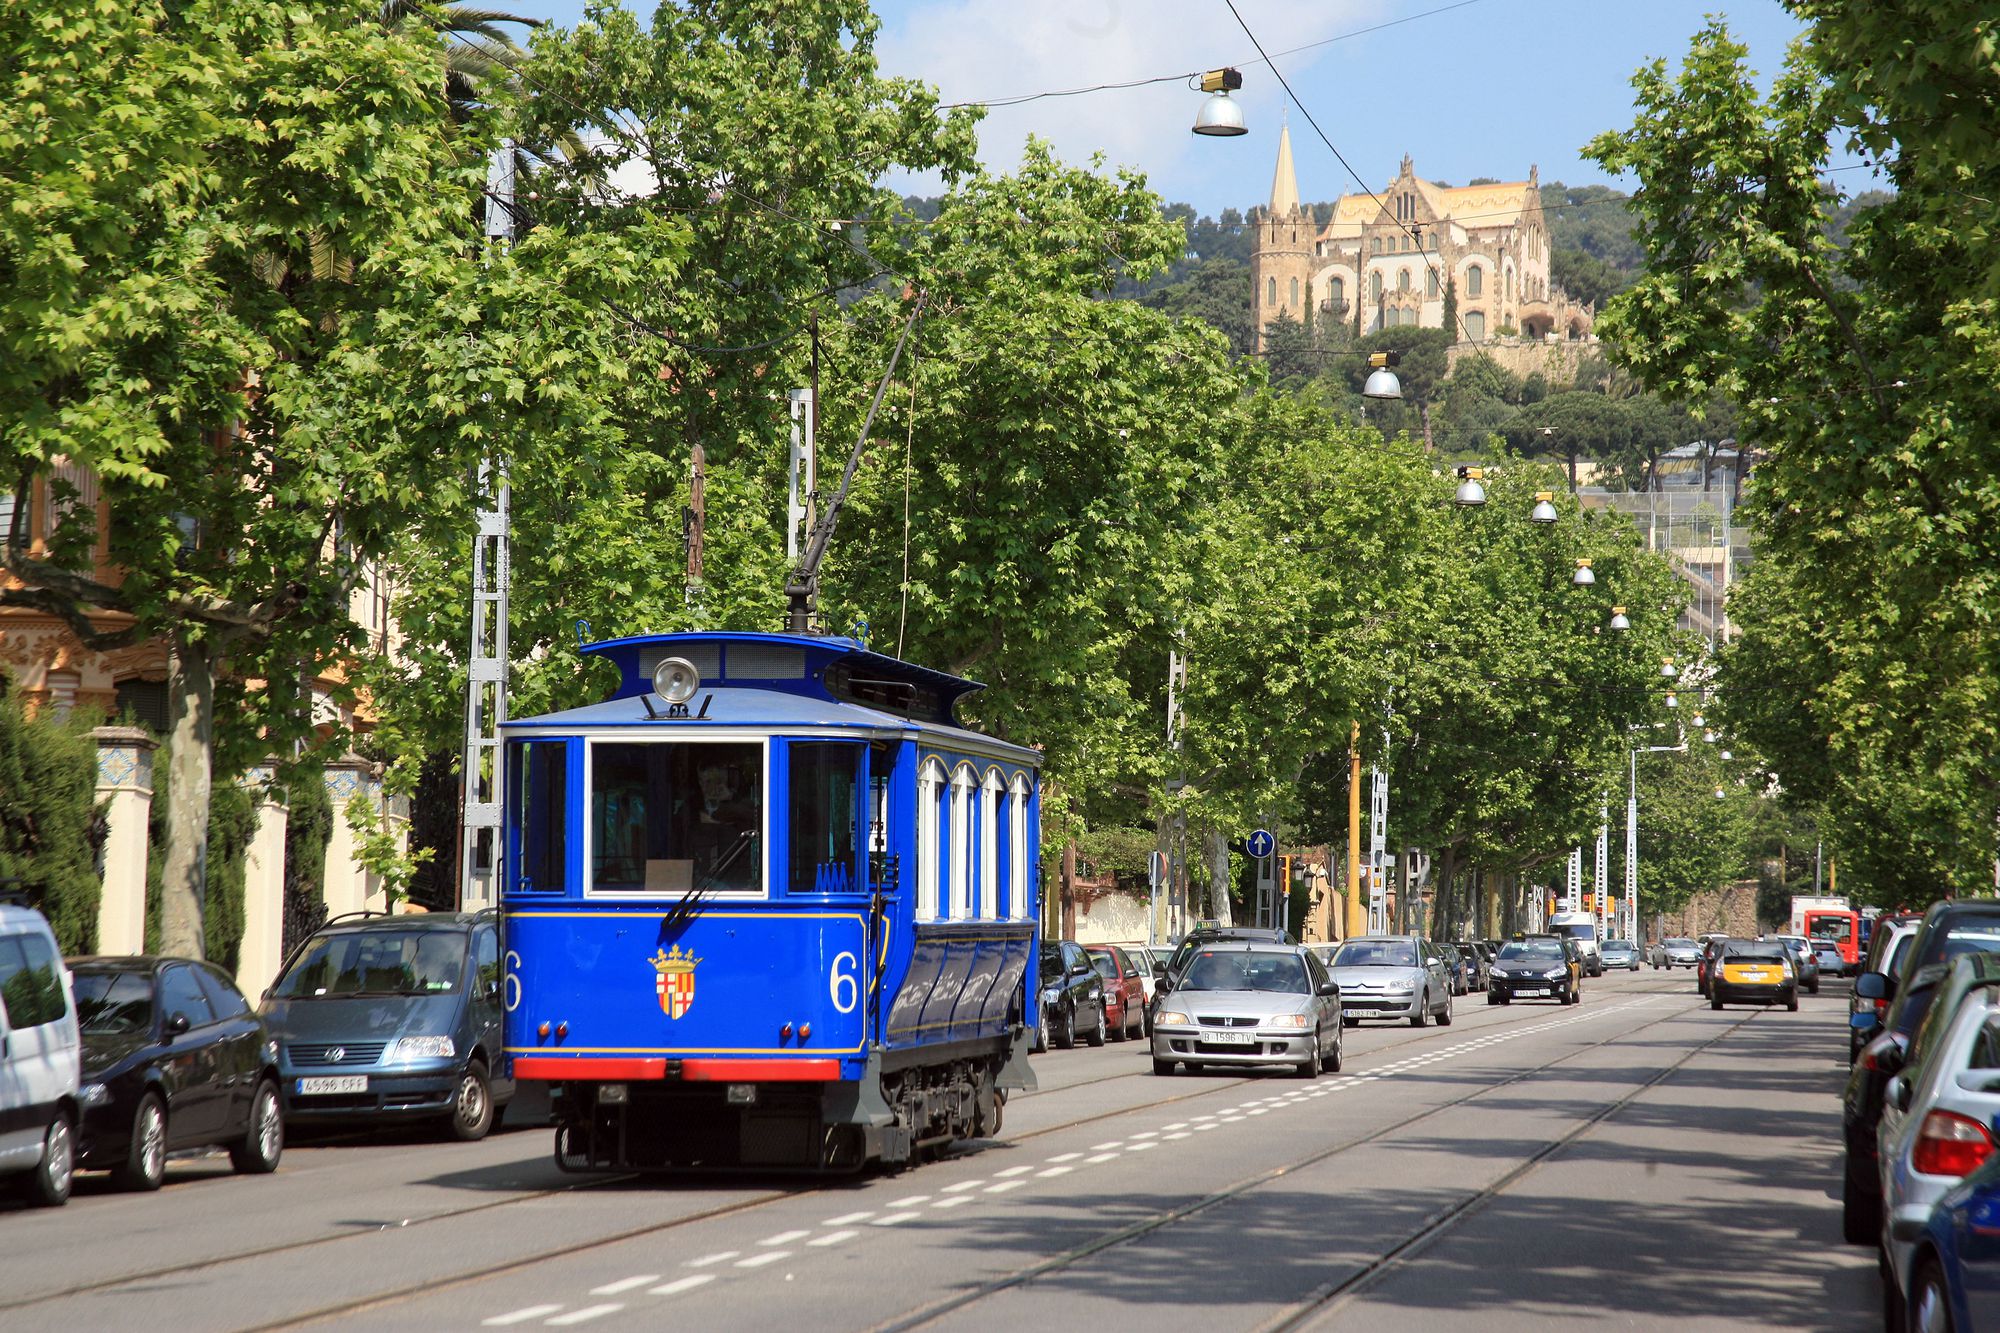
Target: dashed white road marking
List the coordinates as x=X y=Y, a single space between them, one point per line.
x=624 y=1284
x=1004 y=1186
x=1102 y=1157
x=716 y=1258
x=1178 y=1135
x=848 y=1219
x=1012 y=1171
x=1100 y=1147
x=832 y=1238
x=1141 y=1147
x=1054 y=1171
x=784 y=1238
x=583 y=1316
x=893 y=1219
x=1065 y=1157
x=1210 y=1125
x=681 y=1284
x=1147 y=1134
x=910 y=1202
x=1181 y=1124
x=520 y=1316
x=759 y=1260
x=963 y=1186
x=953 y=1202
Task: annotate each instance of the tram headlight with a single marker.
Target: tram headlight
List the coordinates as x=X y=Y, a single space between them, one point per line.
x=676 y=680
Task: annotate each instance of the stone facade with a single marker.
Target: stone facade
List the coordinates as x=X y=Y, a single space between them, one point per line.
x=1731 y=909
x=1386 y=260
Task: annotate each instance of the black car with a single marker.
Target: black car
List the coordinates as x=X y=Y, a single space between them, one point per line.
x=1537 y=967
x=173 y=1058
x=1072 y=996
x=1950 y=930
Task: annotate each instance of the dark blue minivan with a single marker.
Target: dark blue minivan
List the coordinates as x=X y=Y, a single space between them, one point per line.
x=394 y=1018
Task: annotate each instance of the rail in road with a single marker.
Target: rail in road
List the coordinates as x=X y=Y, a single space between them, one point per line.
x=1110 y=1186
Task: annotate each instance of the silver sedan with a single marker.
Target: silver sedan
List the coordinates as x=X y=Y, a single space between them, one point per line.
x=1249 y=1004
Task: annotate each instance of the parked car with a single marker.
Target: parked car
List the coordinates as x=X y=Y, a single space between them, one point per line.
x=1828 y=955
x=1887 y=948
x=1392 y=976
x=173 y=1058
x=1938 y=1113
x=1949 y=930
x=1241 y=1003
x=40 y=1059
x=1457 y=966
x=1124 y=993
x=1675 y=952
x=1537 y=967
x=394 y=1018
x=1477 y=964
x=1954 y=1265
x=1151 y=960
x=1620 y=953
x=1753 y=972
x=1073 y=999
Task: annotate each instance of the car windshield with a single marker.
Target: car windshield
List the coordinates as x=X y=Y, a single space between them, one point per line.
x=1626 y=945
x=1376 y=953
x=375 y=962
x=1052 y=964
x=1680 y=944
x=1282 y=973
x=1581 y=930
x=1107 y=966
x=1534 y=951
x=114 y=1003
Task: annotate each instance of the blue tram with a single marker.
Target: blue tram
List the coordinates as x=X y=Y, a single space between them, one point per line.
x=768 y=906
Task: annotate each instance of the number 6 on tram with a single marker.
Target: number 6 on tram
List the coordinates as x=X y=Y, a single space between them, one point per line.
x=768 y=906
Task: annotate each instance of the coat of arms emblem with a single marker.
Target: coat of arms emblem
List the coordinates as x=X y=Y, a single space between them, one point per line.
x=673 y=980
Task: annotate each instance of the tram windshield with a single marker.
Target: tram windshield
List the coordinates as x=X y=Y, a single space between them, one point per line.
x=671 y=816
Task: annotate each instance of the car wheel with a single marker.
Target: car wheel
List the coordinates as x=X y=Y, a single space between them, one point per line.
x=1423 y=1014
x=1331 y=1063
x=1793 y=1002
x=1860 y=1203
x=1066 y=1034
x=1096 y=1034
x=1813 y=989
x=1138 y=1028
x=1715 y=1001
x=264 y=1139
x=1444 y=1019
x=145 y=1163
x=1162 y=1067
x=1348 y=1022
x=1929 y=1304
x=48 y=1185
x=472 y=1106
x=1491 y=998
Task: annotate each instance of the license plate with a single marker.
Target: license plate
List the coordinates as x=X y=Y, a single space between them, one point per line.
x=1532 y=990
x=1229 y=1038
x=310 y=1087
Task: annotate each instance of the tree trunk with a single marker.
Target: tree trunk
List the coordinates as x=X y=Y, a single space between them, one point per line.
x=1218 y=878
x=1068 y=890
x=190 y=756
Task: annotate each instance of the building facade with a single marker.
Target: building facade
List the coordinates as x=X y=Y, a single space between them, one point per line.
x=1389 y=260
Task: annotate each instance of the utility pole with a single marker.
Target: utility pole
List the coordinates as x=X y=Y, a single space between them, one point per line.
x=1378 y=848
x=696 y=518
x=483 y=776
x=1603 y=849
x=1356 y=917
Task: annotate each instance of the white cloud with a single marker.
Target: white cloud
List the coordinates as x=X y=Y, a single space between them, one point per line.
x=974 y=50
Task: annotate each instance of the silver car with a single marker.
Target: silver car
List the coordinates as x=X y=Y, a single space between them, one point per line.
x=1938 y=1117
x=1676 y=952
x=1392 y=976
x=1249 y=1004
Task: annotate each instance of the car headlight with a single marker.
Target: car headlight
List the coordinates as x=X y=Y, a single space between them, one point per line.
x=422 y=1048
x=1172 y=1018
x=1554 y=973
x=1400 y=987
x=93 y=1094
x=1286 y=1021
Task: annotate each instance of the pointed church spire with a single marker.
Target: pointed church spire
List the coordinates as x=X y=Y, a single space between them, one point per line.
x=1285 y=181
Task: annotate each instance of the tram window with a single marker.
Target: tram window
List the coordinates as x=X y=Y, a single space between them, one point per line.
x=822 y=816
x=539 y=814
x=667 y=817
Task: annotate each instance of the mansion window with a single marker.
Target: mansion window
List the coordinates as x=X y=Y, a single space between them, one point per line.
x=1295 y=291
x=1475 y=281
x=1270 y=291
x=1337 y=293
x=1403 y=281
x=1375 y=286
x=1430 y=282
x=1475 y=324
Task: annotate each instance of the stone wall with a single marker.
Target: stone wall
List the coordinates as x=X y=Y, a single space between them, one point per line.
x=1732 y=908
x=1557 y=360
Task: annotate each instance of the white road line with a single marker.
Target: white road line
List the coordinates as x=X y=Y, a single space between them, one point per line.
x=893 y=1219
x=624 y=1284
x=910 y=1202
x=1012 y=1171
x=1147 y=1134
x=681 y=1284
x=848 y=1219
x=583 y=1316
x=1141 y=1147
x=1204 y=1117
x=1258 y=1111
x=1065 y=1157
x=832 y=1238
x=1181 y=1135
x=953 y=1202
x=1100 y=1147
x=759 y=1260
x=520 y=1316
x=784 y=1238
x=716 y=1258
x=1054 y=1171
x=1228 y=1120
x=1004 y=1186
x=1210 y=1125
x=962 y=1186
x=1101 y=1157
x=1182 y=1124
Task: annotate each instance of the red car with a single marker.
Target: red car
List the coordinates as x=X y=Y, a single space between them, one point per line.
x=1124 y=994
x=1711 y=945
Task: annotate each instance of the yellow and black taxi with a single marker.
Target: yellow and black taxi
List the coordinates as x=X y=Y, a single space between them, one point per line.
x=1753 y=972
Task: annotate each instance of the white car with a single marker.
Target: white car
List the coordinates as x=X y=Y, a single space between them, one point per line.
x=40 y=1059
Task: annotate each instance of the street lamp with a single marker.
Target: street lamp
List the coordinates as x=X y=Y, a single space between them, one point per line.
x=1545 y=510
x=1471 y=493
x=1382 y=382
x=1219 y=115
x=1667 y=671
x=1583 y=578
x=1619 y=621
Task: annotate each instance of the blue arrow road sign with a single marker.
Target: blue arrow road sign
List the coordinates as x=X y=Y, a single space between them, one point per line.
x=1260 y=844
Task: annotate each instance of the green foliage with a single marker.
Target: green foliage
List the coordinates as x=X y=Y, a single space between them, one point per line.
x=1289 y=351
x=1867 y=672
x=51 y=831
x=1217 y=293
x=308 y=830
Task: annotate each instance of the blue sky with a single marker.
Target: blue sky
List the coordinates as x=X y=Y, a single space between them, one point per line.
x=1465 y=87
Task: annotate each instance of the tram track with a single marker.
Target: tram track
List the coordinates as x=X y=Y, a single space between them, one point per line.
x=1322 y=1299
x=768 y=1198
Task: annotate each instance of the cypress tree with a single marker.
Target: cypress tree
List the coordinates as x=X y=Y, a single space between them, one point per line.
x=51 y=830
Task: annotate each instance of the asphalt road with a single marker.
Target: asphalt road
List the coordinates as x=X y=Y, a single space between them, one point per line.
x=1638 y=1161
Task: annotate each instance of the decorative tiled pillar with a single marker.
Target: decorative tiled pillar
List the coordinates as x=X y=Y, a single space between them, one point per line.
x=347 y=881
x=125 y=789
x=262 y=950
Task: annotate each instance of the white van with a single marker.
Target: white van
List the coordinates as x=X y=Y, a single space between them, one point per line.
x=1581 y=927
x=39 y=1059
